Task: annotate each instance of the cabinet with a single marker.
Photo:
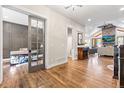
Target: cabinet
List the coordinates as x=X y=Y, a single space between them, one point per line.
x=82 y=53
x=121 y=66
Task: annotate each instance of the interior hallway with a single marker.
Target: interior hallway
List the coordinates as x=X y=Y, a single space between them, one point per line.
x=90 y=73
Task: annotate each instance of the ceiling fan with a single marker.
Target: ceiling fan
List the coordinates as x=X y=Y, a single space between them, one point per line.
x=73 y=6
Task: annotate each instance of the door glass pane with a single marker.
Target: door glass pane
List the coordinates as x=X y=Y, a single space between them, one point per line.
x=33 y=31
x=34 y=56
x=40 y=42
x=40 y=31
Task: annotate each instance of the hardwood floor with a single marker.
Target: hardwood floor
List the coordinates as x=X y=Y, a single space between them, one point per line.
x=92 y=73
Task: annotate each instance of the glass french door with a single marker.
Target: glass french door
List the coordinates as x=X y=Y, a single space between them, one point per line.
x=36 y=44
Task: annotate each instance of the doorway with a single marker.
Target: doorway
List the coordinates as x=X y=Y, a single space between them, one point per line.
x=26 y=40
x=69 y=43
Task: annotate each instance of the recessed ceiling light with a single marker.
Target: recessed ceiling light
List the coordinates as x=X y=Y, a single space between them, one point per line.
x=122 y=9
x=89 y=19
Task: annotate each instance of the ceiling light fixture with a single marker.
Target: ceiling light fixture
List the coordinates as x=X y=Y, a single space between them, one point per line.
x=73 y=6
x=89 y=19
x=122 y=9
x=5 y=17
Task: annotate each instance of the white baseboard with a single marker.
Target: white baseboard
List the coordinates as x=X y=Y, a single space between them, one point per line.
x=53 y=65
x=74 y=58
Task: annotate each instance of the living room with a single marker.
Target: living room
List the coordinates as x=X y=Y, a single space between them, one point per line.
x=102 y=36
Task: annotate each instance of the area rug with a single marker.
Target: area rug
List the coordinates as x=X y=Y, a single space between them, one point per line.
x=111 y=67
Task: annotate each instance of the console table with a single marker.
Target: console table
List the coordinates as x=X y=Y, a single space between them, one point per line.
x=82 y=53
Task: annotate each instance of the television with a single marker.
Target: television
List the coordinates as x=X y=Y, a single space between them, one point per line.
x=108 y=38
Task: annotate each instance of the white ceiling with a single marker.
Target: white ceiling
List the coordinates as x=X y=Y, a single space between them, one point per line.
x=99 y=14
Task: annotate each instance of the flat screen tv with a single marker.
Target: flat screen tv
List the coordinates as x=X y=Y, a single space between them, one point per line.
x=108 y=38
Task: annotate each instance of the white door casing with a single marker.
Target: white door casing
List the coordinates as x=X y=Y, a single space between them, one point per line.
x=1 y=46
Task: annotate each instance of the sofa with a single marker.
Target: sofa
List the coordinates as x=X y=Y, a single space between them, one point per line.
x=106 y=51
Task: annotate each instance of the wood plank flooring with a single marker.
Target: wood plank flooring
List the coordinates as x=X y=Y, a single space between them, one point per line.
x=91 y=73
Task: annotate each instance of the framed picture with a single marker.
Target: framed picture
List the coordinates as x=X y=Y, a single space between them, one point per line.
x=80 y=38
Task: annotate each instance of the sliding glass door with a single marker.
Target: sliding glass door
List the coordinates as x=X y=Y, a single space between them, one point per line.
x=36 y=44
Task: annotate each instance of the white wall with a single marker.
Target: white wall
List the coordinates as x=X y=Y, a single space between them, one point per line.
x=1 y=45
x=69 y=42
x=56 y=34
